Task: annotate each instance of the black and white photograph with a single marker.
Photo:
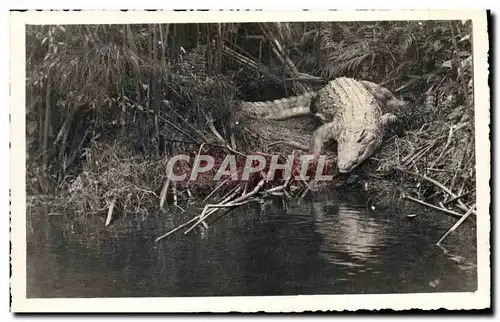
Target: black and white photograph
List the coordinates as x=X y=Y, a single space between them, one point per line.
x=245 y=161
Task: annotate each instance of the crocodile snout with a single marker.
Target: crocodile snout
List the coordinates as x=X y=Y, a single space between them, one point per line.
x=351 y=156
x=346 y=167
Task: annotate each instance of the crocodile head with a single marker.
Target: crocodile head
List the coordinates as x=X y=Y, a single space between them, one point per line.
x=354 y=147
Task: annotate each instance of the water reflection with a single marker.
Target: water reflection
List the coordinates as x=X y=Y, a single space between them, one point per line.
x=351 y=232
x=326 y=246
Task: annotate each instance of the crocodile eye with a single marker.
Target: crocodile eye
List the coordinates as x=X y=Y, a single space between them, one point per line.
x=361 y=136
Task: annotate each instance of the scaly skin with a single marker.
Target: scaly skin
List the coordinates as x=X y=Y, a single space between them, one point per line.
x=281 y=109
x=352 y=114
x=353 y=117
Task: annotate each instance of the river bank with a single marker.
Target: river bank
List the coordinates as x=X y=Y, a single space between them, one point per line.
x=100 y=135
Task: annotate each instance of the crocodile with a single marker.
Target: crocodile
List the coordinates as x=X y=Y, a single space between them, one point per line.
x=351 y=112
x=280 y=109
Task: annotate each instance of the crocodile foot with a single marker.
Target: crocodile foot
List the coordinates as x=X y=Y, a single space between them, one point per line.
x=392 y=124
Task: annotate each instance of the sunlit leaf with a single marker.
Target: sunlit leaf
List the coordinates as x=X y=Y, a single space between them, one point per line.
x=447 y=64
x=464 y=38
x=437 y=45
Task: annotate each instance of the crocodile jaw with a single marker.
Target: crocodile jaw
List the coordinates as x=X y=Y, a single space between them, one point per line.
x=352 y=154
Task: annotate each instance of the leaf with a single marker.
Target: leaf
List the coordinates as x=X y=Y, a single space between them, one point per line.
x=465 y=65
x=31 y=127
x=447 y=64
x=464 y=38
x=437 y=45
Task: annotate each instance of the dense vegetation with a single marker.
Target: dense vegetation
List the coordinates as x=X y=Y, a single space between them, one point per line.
x=107 y=103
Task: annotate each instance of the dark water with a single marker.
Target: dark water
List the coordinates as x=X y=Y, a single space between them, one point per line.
x=326 y=246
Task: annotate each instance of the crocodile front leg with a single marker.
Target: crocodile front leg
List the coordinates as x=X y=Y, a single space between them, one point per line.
x=388 y=119
x=324 y=133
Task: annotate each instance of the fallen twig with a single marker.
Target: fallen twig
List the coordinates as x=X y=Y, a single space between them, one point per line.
x=459 y=168
x=244 y=199
x=110 y=213
x=206 y=212
x=167 y=105
x=197 y=156
x=175 y=229
x=418 y=154
x=276 y=189
x=216 y=188
x=423 y=203
x=458 y=223
x=221 y=139
x=459 y=196
x=164 y=190
x=228 y=196
x=246 y=61
x=448 y=141
x=460 y=205
x=174 y=191
x=282 y=56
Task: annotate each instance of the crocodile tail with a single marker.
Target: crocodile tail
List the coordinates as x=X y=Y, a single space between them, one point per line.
x=280 y=109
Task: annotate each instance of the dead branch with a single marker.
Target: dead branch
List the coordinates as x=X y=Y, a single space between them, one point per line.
x=164 y=191
x=110 y=213
x=457 y=224
x=423 y=203
x=448 y=141
x=460 y=205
